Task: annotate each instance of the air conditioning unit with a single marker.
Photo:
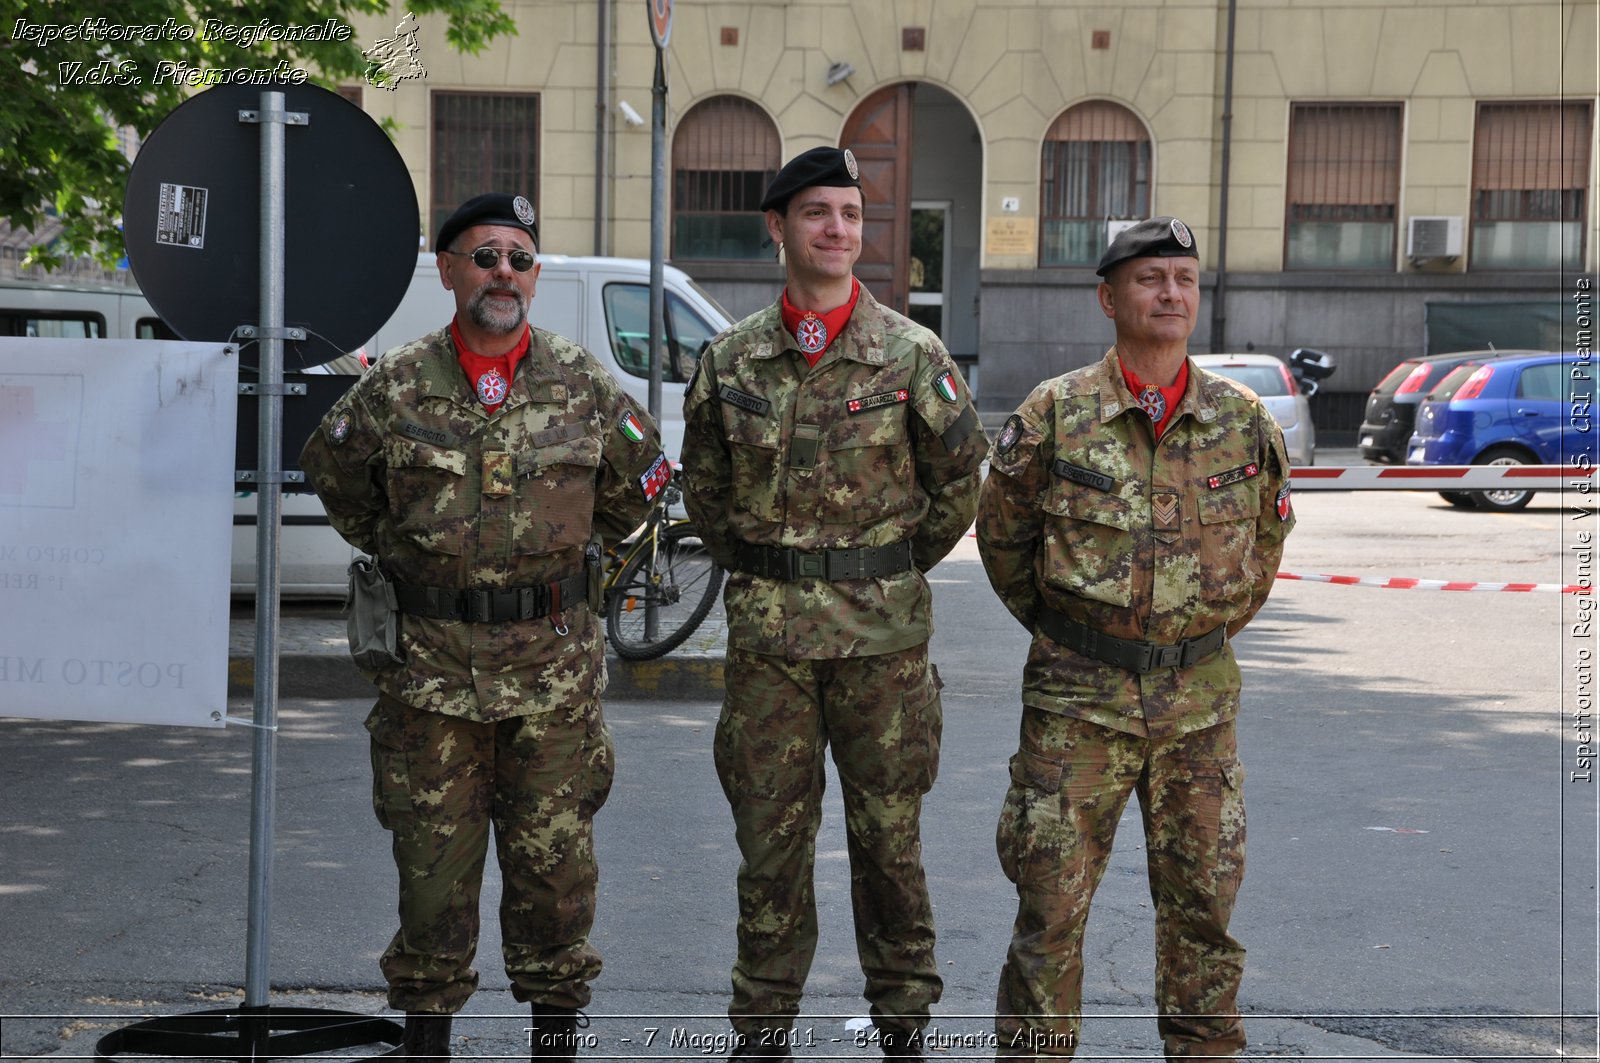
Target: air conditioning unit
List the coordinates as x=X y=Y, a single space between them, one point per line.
x=1433 y=237
x=1114 y=227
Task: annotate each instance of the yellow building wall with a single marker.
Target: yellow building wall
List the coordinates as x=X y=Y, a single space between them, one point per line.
x=1017 y=65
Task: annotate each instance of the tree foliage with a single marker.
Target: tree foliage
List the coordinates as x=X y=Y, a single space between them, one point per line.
x=77 y=73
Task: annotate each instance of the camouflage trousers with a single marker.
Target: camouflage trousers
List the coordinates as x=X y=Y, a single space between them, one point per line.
x=439 y=784
x=883 y=719
x=1070 y=781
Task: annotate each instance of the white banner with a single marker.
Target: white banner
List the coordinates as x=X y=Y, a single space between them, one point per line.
x=116 y=503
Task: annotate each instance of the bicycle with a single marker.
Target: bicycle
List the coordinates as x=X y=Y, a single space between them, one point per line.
x=660 y=585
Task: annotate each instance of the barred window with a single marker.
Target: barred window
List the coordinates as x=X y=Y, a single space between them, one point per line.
x=482 y=142
x=1529 y=162
x=725 y=152
x=1094 y=168
x=1343 y=186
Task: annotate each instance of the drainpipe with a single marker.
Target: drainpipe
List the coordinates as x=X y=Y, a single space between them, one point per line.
x=1219 y=305
x=602 y=110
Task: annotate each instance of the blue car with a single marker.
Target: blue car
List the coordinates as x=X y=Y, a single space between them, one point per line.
x=1526 y=409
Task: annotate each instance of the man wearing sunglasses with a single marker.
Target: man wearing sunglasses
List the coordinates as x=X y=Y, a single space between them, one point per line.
x=483 y=466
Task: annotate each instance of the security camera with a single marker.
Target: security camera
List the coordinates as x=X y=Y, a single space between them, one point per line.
x=628 y=113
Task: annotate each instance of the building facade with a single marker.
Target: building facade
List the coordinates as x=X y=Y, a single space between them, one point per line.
x=1347 y=167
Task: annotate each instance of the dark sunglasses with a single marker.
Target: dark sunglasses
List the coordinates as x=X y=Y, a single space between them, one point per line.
x=487 y=258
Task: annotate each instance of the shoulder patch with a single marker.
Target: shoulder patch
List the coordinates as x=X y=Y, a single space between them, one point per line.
x=339 y=430
x=655 y=478
x=1010 y=432
x=945 y=385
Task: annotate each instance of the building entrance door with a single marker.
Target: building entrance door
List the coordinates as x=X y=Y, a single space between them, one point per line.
x=878 y=132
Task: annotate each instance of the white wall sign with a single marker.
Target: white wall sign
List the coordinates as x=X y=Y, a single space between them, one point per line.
x=116 y=501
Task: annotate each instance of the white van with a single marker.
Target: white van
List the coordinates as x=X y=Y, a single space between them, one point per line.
x=602 y=303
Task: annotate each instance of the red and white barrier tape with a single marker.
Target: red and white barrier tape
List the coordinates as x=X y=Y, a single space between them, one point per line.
x=1403 y=583
x=1438 y=477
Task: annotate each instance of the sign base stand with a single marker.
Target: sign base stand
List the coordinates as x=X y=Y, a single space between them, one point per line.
x=249 y=1033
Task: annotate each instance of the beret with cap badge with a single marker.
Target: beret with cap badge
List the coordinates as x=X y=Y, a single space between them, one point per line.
x=825 y=166
x=491 y=208
x=1159 y=237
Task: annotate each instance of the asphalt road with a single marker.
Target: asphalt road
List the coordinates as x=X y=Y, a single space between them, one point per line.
x=1421 y=877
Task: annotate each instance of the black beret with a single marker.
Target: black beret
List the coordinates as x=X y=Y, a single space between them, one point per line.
x=829 y=167
x=1163 y=237
x=492 y=208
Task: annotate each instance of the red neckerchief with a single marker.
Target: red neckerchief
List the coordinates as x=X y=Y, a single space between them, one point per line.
x=832 y=321
x=1170 y=396
x=489 y=376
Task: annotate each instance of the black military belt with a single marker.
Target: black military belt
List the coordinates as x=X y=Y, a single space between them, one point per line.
x=1137 y=657
x=493 y=606
x=787 y=563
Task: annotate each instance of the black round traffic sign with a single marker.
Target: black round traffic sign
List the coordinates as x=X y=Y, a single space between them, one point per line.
x=192 y=221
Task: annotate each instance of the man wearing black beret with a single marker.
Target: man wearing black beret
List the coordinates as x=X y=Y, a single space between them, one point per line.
x=1132 y=520
x=477 y=465
x=831 y=457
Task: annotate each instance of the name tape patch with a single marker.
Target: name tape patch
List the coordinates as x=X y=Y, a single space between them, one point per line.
x=1087 y=477
x=1233 y=476
x=437 y=437
x=744 y=400
x=872 y=402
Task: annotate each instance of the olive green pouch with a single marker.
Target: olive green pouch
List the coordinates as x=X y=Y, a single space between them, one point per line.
x=372 y=617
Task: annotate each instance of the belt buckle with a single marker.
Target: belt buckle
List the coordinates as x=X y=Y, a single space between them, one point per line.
x=1169 y=656
x=807 y=565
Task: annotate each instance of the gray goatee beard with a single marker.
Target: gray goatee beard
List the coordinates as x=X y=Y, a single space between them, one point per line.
x=490 y=317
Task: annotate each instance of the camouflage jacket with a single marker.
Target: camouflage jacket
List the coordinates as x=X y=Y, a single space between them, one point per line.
x=413 y=470
x=875 y=444
x=1083 y=512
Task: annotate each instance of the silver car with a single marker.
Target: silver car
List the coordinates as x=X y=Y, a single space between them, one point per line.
x=1269 y=377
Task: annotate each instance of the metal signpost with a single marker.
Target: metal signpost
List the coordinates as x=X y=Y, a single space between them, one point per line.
x=660 y=31
x=184 y=278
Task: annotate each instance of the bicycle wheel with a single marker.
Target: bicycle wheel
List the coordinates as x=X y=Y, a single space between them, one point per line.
x=683 y=588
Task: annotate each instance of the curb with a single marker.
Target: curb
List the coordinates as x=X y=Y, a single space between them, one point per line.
x=675 y=677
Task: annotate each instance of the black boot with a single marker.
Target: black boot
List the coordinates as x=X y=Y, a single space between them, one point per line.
x=427 y=1036
x=901 y=1044
x=766 y=1045
x=554 y=1032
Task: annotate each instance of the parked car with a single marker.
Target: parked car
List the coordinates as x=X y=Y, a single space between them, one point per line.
x=1392 y=405
x=1269 y=377
x=1525 y=409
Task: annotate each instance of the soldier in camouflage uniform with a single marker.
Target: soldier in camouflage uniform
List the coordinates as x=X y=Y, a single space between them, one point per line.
x=1133 y=519
x=475 y=464
x=831 y=457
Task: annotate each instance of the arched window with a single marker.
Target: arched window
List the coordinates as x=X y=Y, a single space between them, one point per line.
x=724 y=154
x=1094 y=168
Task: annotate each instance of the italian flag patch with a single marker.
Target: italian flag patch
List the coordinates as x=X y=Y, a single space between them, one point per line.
x=631 y=427
x=945 y=385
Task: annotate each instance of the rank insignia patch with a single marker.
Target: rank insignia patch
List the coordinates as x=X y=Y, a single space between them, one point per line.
x=1232 y=476
x=872 y=402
